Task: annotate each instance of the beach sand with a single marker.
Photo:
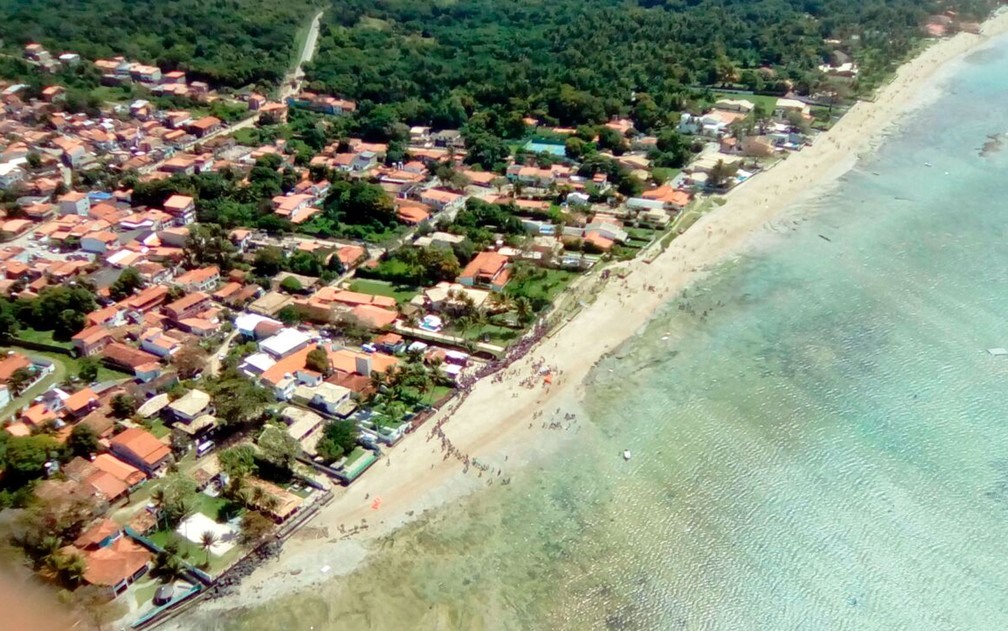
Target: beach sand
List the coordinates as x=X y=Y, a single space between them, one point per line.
x=501 y=423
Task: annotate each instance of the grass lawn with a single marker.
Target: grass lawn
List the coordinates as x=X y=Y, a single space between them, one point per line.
x=439 y=392
x=41 y=337
x=158 y=429
x=664 y=174
x=112 y=94
x=187 y=550
x=541 y=282
x=246 y=136
x=71 y=365
x=768 y=102
x=355 y=455
x=358 y=459
x=624 y=252
x=494 y=333
x=193 y=553
x=143 y=591
x=402 y=293
x=641 y=234
x=211 y=506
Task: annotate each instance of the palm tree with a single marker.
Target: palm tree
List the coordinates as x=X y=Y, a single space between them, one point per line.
x=158 y=497
x=167 y=566
x=258 y=495
x=500 y=301
x=53 y=561
x=463 y=324
x=523 y=309
x=270 y=502
x=47 y=547
x=244 y=493
x=73 y=570
x=207 y=539
x=428 y=379
x=377 y=380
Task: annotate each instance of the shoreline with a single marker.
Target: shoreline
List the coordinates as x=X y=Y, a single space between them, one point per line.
x=493 y=424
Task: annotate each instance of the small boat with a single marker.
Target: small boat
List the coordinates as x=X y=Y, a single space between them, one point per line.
x=626 y=454
x=998 y=352
x=928 y=164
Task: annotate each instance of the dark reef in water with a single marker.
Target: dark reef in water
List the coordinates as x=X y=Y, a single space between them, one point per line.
x=993 y=144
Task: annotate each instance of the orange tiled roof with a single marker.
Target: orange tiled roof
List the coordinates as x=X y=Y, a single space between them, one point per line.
x=80 y=400
x=485 y=263
x=12 y=363
x=97 y=533
x=115 y=563
x=118 y=469
x=143 y=444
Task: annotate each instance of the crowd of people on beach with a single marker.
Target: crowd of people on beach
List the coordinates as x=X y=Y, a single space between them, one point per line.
x=497 y=370
x=449 y=450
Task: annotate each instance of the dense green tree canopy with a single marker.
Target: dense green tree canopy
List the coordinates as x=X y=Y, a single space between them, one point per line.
x=26 y=456
x=124 y=286
x=228 y=42
x=238 y=461
x=338 y=439
x=581 y=61
x=83 y=441
x=236 y=399
x=416 y=266
x=277 y=447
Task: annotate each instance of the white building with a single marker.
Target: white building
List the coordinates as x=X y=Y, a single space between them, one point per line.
x=329 y=397
x=191 y=405
x=284 y=343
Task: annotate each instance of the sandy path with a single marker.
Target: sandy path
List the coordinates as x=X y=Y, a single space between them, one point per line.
x=493 y=424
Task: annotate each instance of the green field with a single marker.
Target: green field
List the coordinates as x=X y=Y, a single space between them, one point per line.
x=193 y=553
x=767 y=102
x=402 y=293
x=41 y=337
x=494 y=334
x=215 y=507
x=112 y=94
x=660 y=175
x=159 y=429
x=144 y=589
x=357 y=461
x=542 y=282
x=641 y=234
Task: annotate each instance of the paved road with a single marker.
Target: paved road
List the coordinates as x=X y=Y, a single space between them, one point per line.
x=292 y=83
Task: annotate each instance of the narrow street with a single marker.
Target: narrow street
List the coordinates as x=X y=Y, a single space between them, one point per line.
x=213 y=366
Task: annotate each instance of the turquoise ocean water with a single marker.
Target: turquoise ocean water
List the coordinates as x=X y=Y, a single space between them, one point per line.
x=826 y=449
